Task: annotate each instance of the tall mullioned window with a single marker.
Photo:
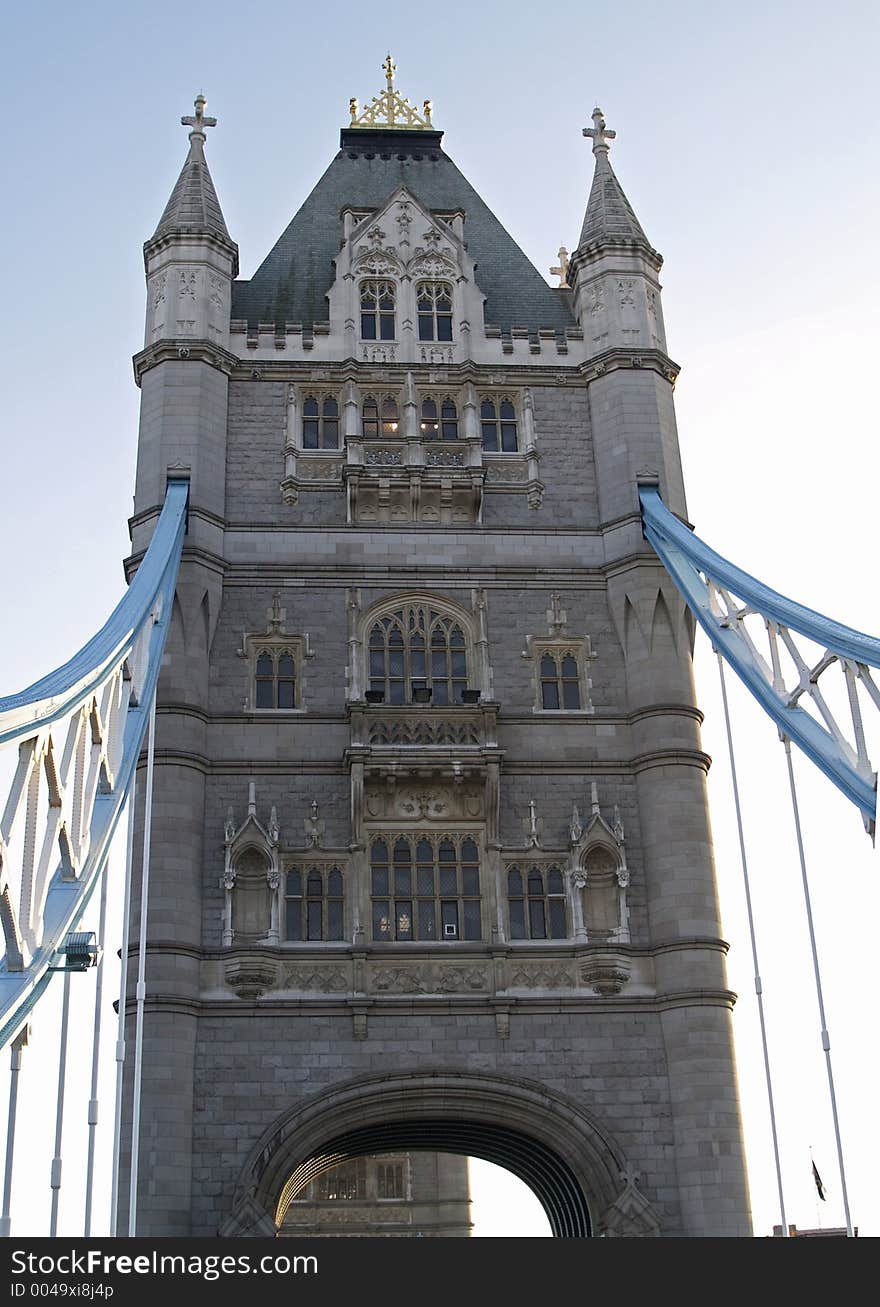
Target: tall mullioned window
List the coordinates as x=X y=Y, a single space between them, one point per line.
x=435 y=310
x=377 y=310
x=560 y=681
x=498 y=426
x=313 y=902
x=536 y=903
x=320 y=423
x=414 y=648
x=275 y=679
x=425 y=889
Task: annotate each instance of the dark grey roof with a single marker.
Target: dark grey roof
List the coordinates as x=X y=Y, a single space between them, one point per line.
x=193 y=205
x=610 y=217
x=291 y=283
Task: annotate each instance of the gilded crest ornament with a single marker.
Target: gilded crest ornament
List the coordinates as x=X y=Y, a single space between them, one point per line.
x=390 y=109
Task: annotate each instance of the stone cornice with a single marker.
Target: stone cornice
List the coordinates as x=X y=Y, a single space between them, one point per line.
x=187 y=236
x=613 y=360
x=180 y=349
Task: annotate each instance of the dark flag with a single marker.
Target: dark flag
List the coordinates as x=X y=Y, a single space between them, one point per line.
x=820 y=1188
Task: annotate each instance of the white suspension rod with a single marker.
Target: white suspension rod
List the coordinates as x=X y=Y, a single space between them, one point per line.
x=120 y=1030
x=826 y=1041
x=96 y=1053
x=141 y=991
x=759 y=991
x=18 y=1044
x=55 y=1177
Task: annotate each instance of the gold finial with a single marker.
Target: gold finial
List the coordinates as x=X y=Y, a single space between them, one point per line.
x=390 y=109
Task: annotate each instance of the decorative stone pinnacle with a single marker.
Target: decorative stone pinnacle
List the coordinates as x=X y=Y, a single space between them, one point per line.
x=198 y=122
x=600 y=134
x=562 y=270
x=390 y=108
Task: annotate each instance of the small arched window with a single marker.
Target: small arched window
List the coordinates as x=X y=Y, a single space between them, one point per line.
x=320 y=423
x=536 y=905
x=418 y=648
x=498 y=426
x=275 y=679
x=430 y=426
x=560 y=681
x=377 y=310
x=390 y=416
x=448 y=419
x=435 y=310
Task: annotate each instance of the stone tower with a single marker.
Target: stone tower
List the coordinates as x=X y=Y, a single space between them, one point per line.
x=431 y=865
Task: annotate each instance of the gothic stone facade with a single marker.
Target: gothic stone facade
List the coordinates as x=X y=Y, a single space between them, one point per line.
x=430 y=837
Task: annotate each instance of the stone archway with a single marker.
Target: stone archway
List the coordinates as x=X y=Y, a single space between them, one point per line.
x=577 y=1172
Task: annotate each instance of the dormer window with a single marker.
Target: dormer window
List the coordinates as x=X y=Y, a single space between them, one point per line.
x=377 y=310
x=320 y=423
x=435 y=310
x=498 y=425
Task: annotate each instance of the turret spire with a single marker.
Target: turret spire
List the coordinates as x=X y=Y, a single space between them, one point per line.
x=609 y=218
x=193 y=206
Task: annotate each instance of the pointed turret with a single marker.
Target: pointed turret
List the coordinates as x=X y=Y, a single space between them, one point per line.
x=609 y=219
x=193 y=206
x=613 y=271
x=191 y=259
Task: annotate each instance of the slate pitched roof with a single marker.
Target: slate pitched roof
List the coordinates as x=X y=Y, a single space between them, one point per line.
x=610 y=218
x=193 y=205
x=291 y=283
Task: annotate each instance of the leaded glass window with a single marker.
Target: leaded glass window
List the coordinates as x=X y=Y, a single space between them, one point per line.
x=313 y=902
x=377 y=310
x=536 y=903
x=498 y=426
x=560 y=681
x=435 y=310
x=439 y=420
x=425 y=888
x=418 y=647
x=275 y=678
x=320 y=423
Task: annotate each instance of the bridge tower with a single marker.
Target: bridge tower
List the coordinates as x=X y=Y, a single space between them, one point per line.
x=431 y=868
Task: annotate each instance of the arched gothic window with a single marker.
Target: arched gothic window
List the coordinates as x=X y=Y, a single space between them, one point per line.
x=560 y=681
x=435 y=310
x=313 y=900
x=379 y=417
x=320 y=423
x=425 y=889
x=498 y=425
x=417 y=647
x=536 y=903
x=377 y=310
x=444 y=424
x=275 y=679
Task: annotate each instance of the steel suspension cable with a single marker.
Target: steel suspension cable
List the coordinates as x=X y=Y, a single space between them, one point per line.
x=826 y=1041
x=759 y=991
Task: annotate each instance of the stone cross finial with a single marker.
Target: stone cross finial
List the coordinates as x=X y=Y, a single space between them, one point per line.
x=198 y=122
x=562 y=271
x=600 y=134
x=276 y=614
x=557 y=617
x=390 y=68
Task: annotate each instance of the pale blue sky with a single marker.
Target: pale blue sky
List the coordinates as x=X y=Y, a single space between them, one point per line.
x=747 y=145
